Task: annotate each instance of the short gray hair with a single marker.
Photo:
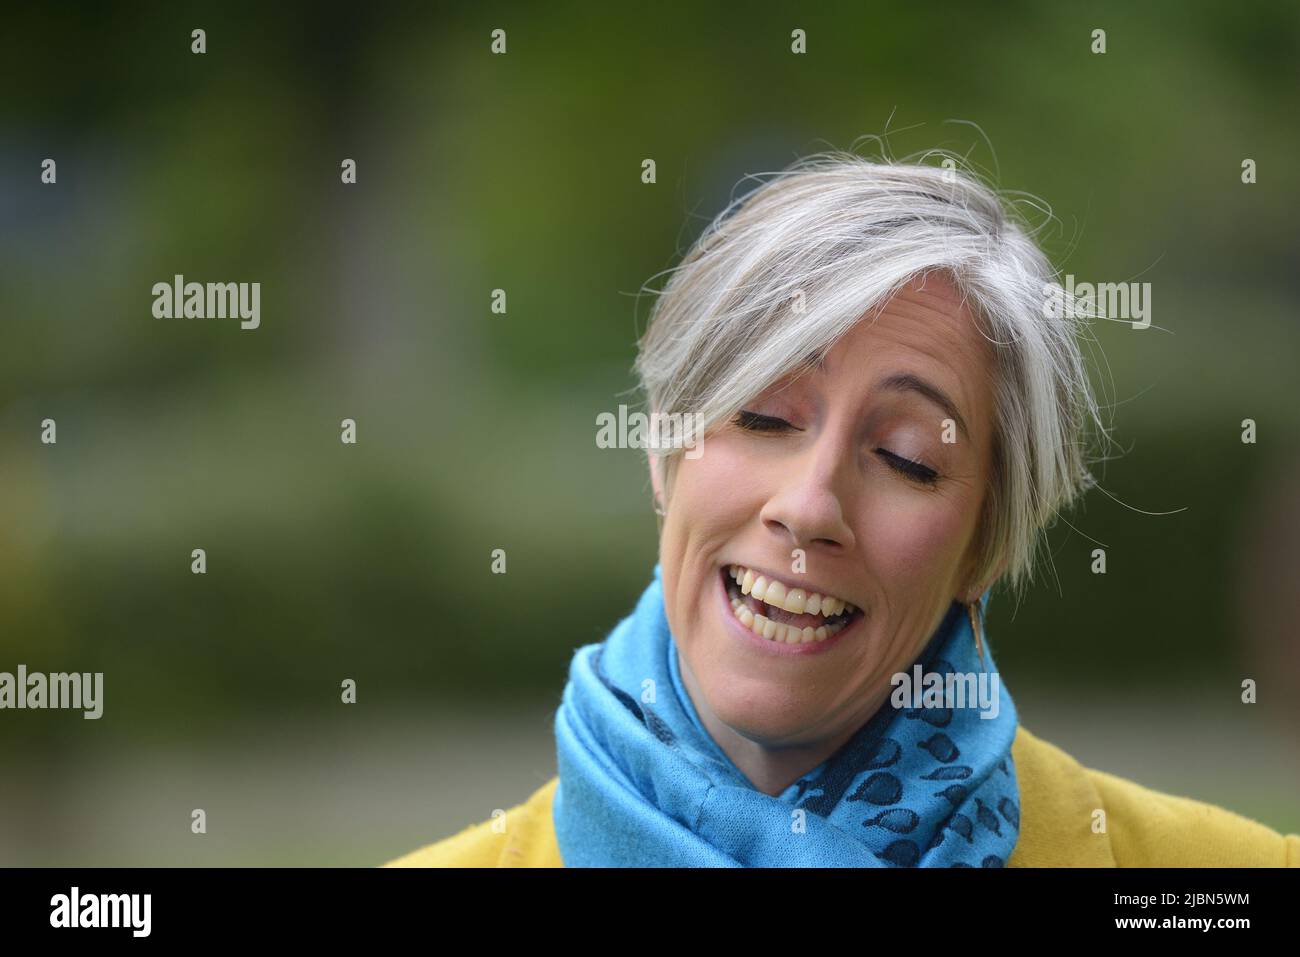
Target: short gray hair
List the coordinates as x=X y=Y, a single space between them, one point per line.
x=847 y=232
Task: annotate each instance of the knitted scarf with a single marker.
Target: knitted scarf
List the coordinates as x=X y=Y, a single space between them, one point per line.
x=642 y=783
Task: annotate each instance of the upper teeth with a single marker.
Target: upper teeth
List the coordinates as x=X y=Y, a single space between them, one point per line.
x=791 y=599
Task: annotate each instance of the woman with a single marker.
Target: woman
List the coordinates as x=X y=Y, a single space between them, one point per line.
x=888 y=411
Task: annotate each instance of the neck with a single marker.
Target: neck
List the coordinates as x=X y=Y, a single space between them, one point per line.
x=769 y=768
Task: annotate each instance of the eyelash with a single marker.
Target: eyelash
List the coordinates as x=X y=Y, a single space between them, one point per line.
x=754 y=422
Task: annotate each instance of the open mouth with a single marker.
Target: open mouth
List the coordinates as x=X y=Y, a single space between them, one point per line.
x=784 y=614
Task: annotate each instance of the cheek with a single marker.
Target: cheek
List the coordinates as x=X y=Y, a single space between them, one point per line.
x=915 y=536
x=716 y=493
x=712 y=500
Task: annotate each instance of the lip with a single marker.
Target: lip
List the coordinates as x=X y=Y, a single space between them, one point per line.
x=765 y=646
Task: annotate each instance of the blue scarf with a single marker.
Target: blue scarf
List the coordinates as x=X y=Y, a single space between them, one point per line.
x=642 y=783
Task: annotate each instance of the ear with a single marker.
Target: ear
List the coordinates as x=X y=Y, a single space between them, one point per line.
x=974 y=591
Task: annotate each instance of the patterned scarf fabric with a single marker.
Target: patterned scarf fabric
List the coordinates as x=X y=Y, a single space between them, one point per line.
x=642 y=784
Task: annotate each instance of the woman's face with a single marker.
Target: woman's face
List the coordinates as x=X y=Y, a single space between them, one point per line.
x=822 y=465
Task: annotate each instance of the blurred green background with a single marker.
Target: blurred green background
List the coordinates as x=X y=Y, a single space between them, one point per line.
x=476 y=430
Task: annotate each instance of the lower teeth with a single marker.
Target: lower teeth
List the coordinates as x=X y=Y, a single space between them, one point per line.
x=776 y=631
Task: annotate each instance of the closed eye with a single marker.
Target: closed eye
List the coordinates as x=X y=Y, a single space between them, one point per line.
x=754 y=422
x=922 y=473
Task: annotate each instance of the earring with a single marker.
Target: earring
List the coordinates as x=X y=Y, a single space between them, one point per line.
x=659 y=516
x=977 y=626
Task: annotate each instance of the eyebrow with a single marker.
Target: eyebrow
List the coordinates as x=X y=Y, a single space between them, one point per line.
x=907 y=382
x=902 y=382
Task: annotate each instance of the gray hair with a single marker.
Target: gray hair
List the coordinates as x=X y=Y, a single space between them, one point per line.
x=839 y=234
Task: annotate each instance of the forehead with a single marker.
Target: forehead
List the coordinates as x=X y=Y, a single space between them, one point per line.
x=927 y=317
x=925 y=330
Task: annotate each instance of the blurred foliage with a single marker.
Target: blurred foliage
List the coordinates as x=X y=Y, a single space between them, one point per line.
x=521 y=172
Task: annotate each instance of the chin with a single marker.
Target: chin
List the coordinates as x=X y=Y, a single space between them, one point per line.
x=764 y=711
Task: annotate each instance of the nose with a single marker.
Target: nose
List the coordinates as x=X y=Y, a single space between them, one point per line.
x=808 y=509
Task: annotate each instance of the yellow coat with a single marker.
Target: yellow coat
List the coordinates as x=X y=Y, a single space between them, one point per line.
x=1058 y=801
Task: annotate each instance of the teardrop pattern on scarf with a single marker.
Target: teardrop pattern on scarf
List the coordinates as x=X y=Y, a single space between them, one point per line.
x=962 y=825
x=901 y=853
x=954 y=794
x=1008 y=809
x=883 y=754
x=954 y=772
x=880 y=788
x=940 y=747
x=934 y=717
x=900 y=820
x=987 y=817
